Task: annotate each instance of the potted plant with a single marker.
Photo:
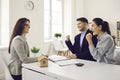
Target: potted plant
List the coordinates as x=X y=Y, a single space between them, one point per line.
x=34 y=50
x=57 y=35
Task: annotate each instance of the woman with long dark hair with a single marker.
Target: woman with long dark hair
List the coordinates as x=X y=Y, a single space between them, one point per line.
x=18 y=48
x=104 y=51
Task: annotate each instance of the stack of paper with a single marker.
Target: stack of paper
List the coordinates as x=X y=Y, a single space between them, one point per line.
x=56 y=58
x=68 y=62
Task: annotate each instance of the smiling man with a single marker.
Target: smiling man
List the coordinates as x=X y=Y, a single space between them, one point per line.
x=80 y=47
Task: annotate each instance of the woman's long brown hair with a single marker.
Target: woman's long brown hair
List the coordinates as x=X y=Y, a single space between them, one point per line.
x=18 y=29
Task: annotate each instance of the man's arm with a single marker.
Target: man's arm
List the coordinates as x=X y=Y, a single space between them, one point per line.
x=95 y=40
x=70 y=45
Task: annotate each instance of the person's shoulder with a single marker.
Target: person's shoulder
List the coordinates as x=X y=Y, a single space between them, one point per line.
x=18 y=38
x=77 y=35
x=89 y=31
x=108 y=37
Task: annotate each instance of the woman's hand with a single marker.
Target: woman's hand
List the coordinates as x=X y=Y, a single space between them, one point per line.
x=89 y=38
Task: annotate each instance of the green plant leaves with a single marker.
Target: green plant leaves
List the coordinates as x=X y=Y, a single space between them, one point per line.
x=57 y=35
x=34 y=49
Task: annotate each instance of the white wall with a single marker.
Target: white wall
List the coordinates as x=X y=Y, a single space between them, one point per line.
x=4 y=22
x=77 y=11
x=106 y=9
x=109 y=10
x=67 y=16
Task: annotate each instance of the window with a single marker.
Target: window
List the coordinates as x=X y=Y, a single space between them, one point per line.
x=4 y=22
x=53 y=18
x=0 y=22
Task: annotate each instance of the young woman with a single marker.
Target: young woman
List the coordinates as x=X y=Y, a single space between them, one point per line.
x=104 y=51
x=18 y=48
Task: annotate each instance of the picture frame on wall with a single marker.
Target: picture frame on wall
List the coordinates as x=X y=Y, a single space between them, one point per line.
x=118 y=25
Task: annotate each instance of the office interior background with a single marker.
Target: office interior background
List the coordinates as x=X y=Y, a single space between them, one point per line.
x=48 y=17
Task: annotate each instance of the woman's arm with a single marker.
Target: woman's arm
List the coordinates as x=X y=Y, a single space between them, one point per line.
x=18 y=45
x=101 y=48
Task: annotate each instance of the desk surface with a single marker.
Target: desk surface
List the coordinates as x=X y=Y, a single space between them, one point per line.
x=90 y=70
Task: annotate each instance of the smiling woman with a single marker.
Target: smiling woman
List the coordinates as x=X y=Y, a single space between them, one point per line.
x=104 y=51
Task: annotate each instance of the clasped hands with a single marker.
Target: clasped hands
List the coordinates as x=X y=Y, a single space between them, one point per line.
x=89 y=38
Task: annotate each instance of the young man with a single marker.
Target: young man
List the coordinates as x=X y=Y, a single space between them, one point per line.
x=80 y=48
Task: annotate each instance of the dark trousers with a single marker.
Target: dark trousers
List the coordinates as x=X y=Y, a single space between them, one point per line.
x=17 y=77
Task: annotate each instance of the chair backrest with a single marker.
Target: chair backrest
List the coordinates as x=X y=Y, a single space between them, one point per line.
x=59 y=45
x=5 y=64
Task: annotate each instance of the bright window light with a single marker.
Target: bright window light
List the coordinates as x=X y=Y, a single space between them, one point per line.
x=52 y=18
x=4 y=23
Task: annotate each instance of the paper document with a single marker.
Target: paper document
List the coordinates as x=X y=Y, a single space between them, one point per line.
x=68 y=62
x=56 y=58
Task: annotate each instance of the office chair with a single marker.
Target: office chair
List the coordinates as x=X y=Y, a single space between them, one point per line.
x=5 y=64
x=61 y=48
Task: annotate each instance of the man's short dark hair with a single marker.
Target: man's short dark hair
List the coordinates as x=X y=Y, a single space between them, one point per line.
x=82 y=19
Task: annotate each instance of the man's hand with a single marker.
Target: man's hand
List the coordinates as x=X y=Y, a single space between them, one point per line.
x=72 y=56
x=68 y=37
